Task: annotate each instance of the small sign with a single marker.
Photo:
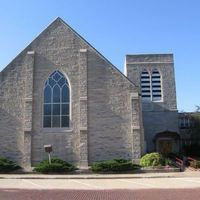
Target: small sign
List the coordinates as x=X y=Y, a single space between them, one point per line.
x=48 y=148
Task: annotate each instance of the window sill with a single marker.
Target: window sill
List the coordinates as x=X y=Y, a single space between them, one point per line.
x=151 y=101
x=57 y=130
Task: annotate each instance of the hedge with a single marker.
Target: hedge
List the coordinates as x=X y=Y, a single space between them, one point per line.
x=115 y=165
x=7 y=165
x=57 y=166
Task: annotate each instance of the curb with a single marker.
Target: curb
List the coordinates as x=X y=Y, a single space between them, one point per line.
x=144 y=174
x=124 y=176
x=106 y=177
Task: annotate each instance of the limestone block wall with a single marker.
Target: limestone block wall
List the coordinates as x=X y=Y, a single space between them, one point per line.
x=162 y=115
x=105 y=120
x=83 y=70
x=101 y=109
x=110 y=133
x=57 y=48
x=137 y=127
x=12 y=93
x=134 y=66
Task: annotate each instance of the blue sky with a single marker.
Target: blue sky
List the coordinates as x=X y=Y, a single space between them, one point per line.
x=115 y=28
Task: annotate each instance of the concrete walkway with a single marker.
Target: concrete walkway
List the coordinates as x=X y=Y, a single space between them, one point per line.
x=102 y=176
x=100 y=184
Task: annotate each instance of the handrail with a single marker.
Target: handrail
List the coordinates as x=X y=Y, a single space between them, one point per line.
x=192 y=162
x=192 y=159
x=180 y=163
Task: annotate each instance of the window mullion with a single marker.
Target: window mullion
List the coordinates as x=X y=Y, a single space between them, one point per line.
x=51 y=120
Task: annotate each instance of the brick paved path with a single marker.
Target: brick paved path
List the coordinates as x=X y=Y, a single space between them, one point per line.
x=150 y=194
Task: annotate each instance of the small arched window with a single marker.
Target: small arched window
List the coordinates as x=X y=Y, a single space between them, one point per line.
x=56 y=106
x=156 y=86
x=145 y=85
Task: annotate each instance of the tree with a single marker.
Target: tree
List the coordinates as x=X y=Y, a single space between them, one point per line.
x=194 y=132
x=194 y=129
x=197 y=108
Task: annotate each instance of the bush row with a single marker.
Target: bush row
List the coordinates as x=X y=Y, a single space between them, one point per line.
x=60 y=166
x=7 y=165
x=56 y=166
x=115 y=165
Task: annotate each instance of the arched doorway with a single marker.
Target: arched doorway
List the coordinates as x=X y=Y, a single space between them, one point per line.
x=167 y=142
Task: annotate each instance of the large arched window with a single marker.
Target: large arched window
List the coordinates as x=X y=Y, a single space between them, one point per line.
x=56 y=106
x=156 y=86
x=145 y=86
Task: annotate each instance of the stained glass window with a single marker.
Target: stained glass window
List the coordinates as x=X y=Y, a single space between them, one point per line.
x=56 y=107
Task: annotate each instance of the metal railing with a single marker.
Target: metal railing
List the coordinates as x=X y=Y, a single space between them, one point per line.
x=180 y=163
x=192 y=163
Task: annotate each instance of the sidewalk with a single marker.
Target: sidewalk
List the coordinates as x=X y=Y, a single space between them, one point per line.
x=102 y=176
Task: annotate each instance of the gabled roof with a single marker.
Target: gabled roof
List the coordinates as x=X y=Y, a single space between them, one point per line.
x=104 y=58
x=59 y=20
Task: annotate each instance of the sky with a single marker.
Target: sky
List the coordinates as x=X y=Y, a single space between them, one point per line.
x=115 y=28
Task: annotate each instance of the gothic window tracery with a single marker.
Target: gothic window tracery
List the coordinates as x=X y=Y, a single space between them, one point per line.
x=56 y=106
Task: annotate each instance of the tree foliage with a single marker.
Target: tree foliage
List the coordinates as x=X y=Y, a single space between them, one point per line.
x=194 y=129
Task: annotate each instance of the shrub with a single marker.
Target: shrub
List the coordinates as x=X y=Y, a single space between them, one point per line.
x=152 y=159
x=116 y=165
x=198 y=164
x=57 y=166
x=167 y=161
x=7 y=165
x=195 y=164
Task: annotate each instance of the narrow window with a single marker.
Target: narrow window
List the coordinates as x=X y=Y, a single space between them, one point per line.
x=56 y=104
x=145 y=86
x=156 y=86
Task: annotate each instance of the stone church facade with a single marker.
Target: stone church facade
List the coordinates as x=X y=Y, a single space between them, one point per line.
x=61 y=91
x=155 y=78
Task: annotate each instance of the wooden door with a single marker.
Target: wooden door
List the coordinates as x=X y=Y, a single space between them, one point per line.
x=165 y=146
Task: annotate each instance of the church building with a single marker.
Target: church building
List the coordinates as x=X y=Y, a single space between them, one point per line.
x=61 y=91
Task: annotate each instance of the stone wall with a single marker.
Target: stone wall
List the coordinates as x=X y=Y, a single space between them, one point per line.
x=162 y=115
x=156 y=122
x=105 y=119
x=135 y=64
x=57 y=48
x=12 y=94
x=110 y=112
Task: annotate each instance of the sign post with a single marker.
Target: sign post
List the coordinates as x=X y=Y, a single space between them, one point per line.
x=48 y=148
